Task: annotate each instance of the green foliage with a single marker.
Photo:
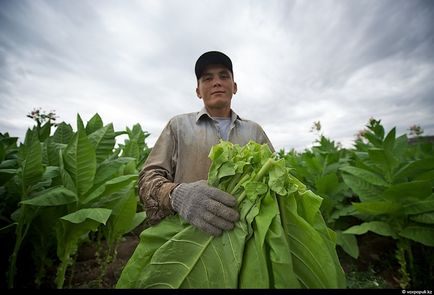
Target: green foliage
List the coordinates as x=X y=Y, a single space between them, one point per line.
x=61 y=188
x=394 y=185
x=66 y=186
x=8 y=169
x=281 y=240
x=135 y=146
x=319 y=169
x=386 y=186
x=368 y=279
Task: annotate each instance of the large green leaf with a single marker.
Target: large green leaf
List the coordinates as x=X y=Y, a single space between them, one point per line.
x=139 y=217
x=363 y=189
x=290 y=255
x=267 y=261
x=44 y=131
x=308 y=205
x=110 y=168
x=193 y=259
x=377 y=207
x=9 y=164
x=427 y=218
x=415 y=168
x=428 y=175
x=384 y=160
x=366 y=175
x=100 y=215
x=64 y=175
x=420 y=234
x=63 y=133
x=94 y=124
x=8 y=146
x=54 y=196
x=80 y=162
x=327 y=184
x=32 y=165
x=52 y=150
x=113 y=185
x=348 y=242
x=409 y=192
x=280 y=260
x=103 y=140
x=131 y=149
x=122 y=216
x=70 y=232
x=6 y=174
x=314 y=266
x=254 y=271
x=378 y=227
x=137 y=135
x=418 y=207
x=389 y=141
x=150 y=240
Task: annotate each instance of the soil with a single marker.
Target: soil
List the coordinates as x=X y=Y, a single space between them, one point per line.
x=87 y=269
x=376 y=264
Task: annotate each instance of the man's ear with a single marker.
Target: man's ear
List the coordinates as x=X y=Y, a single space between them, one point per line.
x=235 y=87
x=198 y=93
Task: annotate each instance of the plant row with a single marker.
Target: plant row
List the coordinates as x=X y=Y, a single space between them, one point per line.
x=57 y=190
x=61 y=188
x=383 y=184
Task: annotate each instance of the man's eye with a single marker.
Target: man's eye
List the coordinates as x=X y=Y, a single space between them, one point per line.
x=224 y=76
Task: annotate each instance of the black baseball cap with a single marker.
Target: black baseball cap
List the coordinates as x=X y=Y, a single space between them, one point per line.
x=212 y=58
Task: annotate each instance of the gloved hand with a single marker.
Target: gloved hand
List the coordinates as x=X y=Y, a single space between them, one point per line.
x=205 y=207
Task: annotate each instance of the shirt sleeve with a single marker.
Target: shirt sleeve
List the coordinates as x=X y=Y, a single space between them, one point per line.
x=263 y=138
x=156 y=177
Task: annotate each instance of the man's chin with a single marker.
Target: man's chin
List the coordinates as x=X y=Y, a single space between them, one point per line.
x=220 y=105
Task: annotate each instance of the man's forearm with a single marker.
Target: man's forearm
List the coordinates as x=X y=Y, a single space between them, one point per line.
x=154 y=191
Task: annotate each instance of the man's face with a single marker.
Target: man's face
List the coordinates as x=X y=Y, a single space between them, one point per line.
x=216 y=87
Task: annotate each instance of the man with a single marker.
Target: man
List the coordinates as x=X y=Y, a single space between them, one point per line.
x=173 y=178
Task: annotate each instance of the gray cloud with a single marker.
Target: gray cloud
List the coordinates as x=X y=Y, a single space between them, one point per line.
x=296 y=62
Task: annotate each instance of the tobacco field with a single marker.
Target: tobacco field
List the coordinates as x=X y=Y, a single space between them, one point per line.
x=327 y=217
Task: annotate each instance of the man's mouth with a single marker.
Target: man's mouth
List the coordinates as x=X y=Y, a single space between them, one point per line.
x=217 y=92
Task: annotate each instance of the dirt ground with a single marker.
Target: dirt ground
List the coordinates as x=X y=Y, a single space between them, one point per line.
x=87 y=269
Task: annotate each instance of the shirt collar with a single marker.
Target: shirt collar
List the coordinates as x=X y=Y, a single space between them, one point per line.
x=203 y=113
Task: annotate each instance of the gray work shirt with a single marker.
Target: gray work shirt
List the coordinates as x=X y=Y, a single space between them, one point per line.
x=181 y=155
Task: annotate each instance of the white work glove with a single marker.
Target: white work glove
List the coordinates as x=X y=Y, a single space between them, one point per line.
x=208 y=208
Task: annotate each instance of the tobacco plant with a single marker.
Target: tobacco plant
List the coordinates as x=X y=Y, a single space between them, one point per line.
x=69 y=185
x=394 y=183
x=318 y=169
x=281 y=240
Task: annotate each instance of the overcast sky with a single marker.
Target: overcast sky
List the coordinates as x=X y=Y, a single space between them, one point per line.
x=295 y=63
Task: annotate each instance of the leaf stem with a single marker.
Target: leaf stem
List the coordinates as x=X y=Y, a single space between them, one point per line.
x=258 y=177
x=264 y=169
x=243 y=179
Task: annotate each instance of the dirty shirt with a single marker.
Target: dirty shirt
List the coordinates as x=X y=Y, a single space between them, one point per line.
x=180 y=155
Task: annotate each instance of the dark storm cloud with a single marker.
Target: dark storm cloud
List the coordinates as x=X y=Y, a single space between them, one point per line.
x=338 y=62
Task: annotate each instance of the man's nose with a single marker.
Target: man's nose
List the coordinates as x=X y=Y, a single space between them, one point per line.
x=216 y=82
